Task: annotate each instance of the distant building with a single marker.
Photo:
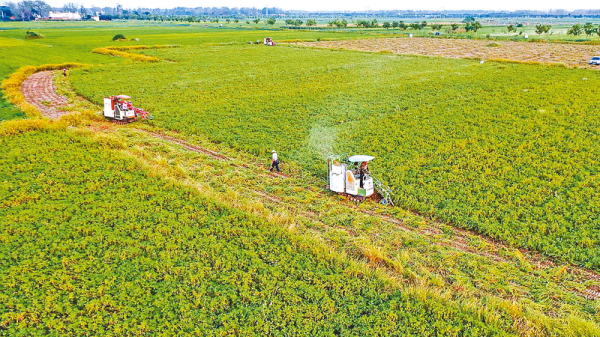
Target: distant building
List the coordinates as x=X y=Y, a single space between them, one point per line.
x=64 y=16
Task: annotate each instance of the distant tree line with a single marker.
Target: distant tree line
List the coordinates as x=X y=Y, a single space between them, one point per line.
x=588 y=28
x=27 y=10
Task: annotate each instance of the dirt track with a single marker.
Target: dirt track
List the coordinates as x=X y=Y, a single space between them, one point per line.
x=572 y=55
x=39 y=90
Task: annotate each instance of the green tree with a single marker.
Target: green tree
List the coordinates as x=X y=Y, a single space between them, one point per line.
x=256 y=21
x=473 y=26
x=395 y=24
x=416 y=26
x=589 y=29
x=402 y=25
x=468 y=19
x=387 y=25
x=271 y=21
x=454 y=27
x=575 y=30
x=539 y=29
x=511 y=28
x=311 y=22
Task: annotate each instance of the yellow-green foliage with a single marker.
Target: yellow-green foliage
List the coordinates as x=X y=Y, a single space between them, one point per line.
x=92 y=244
x=497 y=148
x=493 y=44
x=515 y=61
x=119 y=51
x=15 y=127
x=11 y=87
x=296 y=40
x=8 y=42
x=34 y=35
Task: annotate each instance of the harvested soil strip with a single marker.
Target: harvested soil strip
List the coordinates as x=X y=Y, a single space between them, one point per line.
x=39 y=91
x=195 y=148
x=188 y=146
x=572 y=55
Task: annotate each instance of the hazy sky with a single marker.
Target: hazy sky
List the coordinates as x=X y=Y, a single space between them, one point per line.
x=350 y=5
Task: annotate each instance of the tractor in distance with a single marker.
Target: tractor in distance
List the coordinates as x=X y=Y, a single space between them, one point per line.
x=269 y=42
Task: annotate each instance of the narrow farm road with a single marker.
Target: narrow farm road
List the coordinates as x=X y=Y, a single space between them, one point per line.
x=39 y=90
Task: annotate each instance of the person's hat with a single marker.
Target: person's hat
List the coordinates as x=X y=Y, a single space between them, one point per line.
x=273 y=151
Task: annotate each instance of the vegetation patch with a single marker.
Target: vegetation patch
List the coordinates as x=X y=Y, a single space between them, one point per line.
x=493 y=45
x=133 y=254
x=120 y=52
x=480 y=146
x=33 y=35
x=119 y=37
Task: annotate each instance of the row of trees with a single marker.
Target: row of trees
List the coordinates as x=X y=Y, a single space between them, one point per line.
x=576 y=30
x=588 y=28
x=29 y=10
x=298 y=22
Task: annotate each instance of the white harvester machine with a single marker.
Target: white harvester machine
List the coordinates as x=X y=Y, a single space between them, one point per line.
x=350 y=176
x=120 y=110
x=269 y=42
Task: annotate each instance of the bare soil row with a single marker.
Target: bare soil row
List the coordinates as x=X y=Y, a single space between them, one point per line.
x=572 y=55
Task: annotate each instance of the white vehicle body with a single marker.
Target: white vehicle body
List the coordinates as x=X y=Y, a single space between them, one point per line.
x=595 y=60
x=343 y=180
x=118 y=110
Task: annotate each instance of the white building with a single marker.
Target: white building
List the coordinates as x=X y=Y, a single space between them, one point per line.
x=64 y=16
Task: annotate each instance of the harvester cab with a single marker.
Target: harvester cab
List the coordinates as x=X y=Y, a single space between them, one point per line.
x=120 y=110
x=269 y=42
x=350 y=176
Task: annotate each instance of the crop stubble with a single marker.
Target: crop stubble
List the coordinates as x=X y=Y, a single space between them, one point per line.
x=573 y=55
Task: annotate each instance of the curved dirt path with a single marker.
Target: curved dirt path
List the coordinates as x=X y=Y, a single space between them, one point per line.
x=39 y=90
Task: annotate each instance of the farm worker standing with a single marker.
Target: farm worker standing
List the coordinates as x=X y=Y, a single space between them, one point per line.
x=275 y=162
x=65 y=72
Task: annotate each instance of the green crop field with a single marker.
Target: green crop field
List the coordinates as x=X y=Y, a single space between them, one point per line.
x=124 y=253
x=141 y=229
x=503 y=149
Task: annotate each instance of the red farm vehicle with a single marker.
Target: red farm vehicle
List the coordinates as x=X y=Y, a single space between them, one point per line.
x=120 y=110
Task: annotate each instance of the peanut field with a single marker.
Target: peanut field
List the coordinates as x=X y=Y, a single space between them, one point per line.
x=503 y=149
x=174 y=226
